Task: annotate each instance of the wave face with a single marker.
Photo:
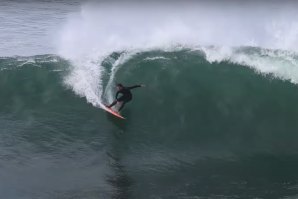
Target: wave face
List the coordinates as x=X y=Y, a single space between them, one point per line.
x=211 y=123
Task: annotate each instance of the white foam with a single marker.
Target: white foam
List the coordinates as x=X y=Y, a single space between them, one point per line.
x=85 y=80
x=116 y=65
x=280 y=64
x=102 y=28
x=155 y=58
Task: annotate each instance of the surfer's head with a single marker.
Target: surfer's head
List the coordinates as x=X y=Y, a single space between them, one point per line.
x=119 y=86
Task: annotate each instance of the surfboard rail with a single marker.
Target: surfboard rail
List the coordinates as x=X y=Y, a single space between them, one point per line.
x=113 y=112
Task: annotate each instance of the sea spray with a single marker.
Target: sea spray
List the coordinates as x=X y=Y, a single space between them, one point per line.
x=93 y=34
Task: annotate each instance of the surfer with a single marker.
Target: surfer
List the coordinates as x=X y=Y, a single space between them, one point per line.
x=125 y=97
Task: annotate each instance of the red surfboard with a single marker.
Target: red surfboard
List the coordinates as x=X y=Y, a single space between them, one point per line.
x=113 y=112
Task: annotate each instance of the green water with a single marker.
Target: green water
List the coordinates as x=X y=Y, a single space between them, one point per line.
x=197 y=130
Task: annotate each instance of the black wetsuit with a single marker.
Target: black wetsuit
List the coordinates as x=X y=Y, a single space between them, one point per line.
x=125 y=97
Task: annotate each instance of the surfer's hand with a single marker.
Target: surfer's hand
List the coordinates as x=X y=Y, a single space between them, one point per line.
x=143 y=85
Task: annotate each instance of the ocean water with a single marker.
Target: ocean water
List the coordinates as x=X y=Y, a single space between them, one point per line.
x=217 y=118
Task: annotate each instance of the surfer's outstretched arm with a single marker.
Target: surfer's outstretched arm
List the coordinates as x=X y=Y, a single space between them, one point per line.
x=136 y=86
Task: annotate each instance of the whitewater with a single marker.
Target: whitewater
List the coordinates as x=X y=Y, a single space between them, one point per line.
x=88 y=40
